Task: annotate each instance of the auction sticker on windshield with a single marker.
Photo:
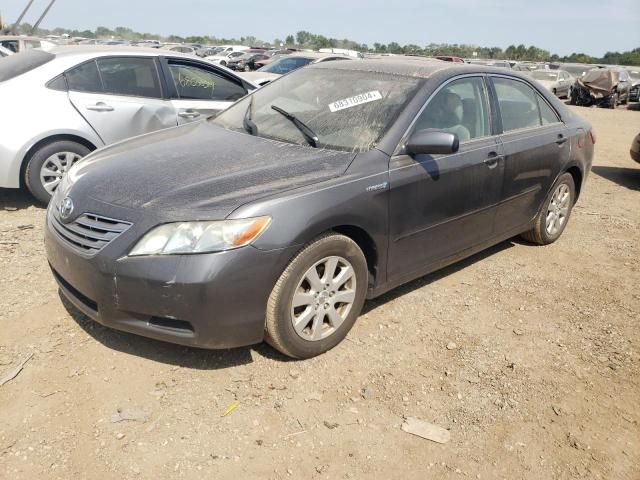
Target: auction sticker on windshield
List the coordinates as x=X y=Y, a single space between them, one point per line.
x=355 y=101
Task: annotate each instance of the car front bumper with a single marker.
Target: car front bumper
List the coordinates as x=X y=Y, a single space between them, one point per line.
x=215 y=300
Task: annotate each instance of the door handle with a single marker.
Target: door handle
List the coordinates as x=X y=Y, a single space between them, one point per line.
x=492 y=161
x=100 y=107
x=189 y=114
x=561 y=139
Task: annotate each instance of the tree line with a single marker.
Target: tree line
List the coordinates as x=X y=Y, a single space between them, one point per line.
x=308 y=40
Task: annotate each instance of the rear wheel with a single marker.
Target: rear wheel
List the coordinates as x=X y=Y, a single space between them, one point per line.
x=318 y=297
x=555 y=212
x=48 y=164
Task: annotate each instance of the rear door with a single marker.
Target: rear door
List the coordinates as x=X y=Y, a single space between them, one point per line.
x=535 y=146
x=198 y=90
x=120 y=97
x=441 y=205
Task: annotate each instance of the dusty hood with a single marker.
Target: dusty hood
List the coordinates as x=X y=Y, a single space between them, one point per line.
x=258 y=78
x=200 y=168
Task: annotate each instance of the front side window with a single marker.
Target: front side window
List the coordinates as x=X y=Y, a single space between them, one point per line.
x=130 y=76
x=349 y=111
x=84 y=78
x=29 y=44
x=195 y=83
x=460 y=107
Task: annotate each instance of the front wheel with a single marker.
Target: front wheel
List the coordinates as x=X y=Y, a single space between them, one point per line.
x=48 y=164
x=555 y=212
x=613 y=101
x=318 y=297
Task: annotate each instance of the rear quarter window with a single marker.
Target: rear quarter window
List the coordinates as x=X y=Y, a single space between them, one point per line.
x=15 y=65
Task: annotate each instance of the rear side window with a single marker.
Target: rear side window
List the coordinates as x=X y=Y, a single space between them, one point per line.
x=84 y=78
x=195 y=83
x=131 y=76
x=518 y=104
x=16 y=65
x=10 y=45
x=547 y=115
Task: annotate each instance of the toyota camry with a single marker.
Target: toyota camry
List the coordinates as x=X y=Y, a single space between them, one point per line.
x=277 y=218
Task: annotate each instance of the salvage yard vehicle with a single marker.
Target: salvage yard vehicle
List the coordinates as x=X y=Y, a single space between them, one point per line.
x=634 y=92
x=289 y=63
x=224 y=58
x=88 y=97
x=606 y=87
x=559 y=82
x=21 y=43
x=247 y=61
x=338 y=182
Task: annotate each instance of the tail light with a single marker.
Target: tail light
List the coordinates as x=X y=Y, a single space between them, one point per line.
x=592 y=136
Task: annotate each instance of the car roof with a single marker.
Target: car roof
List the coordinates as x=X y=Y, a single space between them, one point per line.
x=22 y=37
x=111 y=50
x=420 y=67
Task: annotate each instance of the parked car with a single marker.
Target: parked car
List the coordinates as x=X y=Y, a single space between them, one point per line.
x=225 y=58
x=88 y=97
x=337 y=183
x=247 y=61
x=634 y=92
x=5 y=52
x=559 y=82
x=606 y=87
x=635 y=148
x=19 y=43
x=183 y=49
x=285 y=64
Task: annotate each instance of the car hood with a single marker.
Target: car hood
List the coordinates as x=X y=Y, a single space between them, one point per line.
x=199 y=169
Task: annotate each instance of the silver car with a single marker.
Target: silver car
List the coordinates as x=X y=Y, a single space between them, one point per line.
x=69 y=101
x=558 y=82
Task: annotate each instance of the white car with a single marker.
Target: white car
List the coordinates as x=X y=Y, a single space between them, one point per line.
x=558 y=82
x=20 y=43
x=83 y=98
x=224 y=58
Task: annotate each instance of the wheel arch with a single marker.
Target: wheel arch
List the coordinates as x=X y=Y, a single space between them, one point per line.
x=366 y=243
x=578 y=176
x=45 y=141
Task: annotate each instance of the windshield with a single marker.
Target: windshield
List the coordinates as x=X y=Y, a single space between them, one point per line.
x=286 y=65
x=544 y=75
x=345 y=110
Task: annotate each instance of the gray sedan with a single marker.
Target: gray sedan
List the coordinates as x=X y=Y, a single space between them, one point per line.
x=557 y=82
x=336 y=183
x=83 y=98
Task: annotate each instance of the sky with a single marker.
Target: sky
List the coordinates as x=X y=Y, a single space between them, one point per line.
x=560 y=26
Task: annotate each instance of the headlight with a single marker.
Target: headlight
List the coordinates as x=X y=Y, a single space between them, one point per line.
x=200 y=237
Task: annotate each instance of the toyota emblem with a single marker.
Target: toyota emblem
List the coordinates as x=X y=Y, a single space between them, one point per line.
x=66 y=208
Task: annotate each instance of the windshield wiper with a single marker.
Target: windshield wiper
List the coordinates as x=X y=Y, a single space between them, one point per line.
x=248 y=124
x=309 y=134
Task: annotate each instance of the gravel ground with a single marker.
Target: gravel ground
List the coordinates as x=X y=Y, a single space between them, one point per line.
x=528 y=355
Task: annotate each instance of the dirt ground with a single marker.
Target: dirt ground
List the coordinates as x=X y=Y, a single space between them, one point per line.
x=528 y=355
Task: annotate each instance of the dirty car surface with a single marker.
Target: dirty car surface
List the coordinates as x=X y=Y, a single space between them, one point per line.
x=338 y=182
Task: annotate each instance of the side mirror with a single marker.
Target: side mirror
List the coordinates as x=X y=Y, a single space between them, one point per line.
x=432 y=142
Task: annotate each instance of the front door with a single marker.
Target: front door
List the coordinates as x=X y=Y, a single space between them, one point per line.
x=120 y=97
x=441 y=205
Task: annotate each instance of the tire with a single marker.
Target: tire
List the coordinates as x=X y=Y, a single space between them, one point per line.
x=540 y=234
x=66 y=152
x=613 y=102
x=311 y=338
x=555 y=92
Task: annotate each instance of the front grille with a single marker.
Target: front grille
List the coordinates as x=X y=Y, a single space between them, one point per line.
x=89 y=233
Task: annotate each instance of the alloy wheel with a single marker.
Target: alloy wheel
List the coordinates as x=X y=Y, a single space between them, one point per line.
x=323 y=298
x=558 y=209
x=54 y=168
